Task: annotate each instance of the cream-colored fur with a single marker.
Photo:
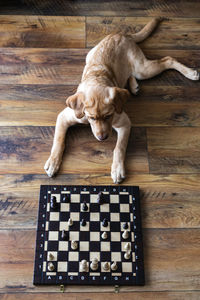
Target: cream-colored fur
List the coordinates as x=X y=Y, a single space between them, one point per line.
x=114 y=62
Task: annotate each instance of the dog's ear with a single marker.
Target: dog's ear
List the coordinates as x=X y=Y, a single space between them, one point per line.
x=118 y=97
x=76 y=102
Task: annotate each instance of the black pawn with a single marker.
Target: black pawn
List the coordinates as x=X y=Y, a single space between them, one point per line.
x=83 y=222
x=84 y=206
x=125 y=225
x=105 y=223
x=64 y=235
x=100 y=198
x=53 y=203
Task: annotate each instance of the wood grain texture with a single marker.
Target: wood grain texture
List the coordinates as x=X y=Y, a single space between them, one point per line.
x=42 y=31
x=167 y=201
x=168 y=262
x=170 y=34
x=25 y=149
x=174 y=150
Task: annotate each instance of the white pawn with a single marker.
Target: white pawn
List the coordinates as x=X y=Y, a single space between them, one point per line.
x=114 y=266
x=125 y=234
x=83 y=266
x=106 y=266
x=127 y=254
x=127 y=246
x=104 y=235
x=74 y=245
x=70 y=222
x=50 y=266
x=94 y=264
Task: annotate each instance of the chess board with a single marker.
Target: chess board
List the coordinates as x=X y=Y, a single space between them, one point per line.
x=120 y=205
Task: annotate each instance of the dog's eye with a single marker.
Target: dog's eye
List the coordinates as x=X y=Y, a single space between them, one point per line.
x=92 y=118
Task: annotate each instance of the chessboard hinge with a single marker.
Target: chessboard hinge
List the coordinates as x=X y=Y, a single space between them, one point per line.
x=116 y=287
x=62 y=288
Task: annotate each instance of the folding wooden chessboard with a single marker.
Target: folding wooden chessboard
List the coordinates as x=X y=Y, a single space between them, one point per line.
x=57 y=263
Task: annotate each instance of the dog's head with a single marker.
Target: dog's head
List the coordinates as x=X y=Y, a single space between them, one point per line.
x=99 y=106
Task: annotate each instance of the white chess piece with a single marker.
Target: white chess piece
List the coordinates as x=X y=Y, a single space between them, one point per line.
x=83 y=266
x=51 y=257
x=127 y=254
x=106 y=266
x=104 y=235
x=94 y=264
x=70 y=222
x=125 y=234
x=50 y=266
x=127 y=246
x=114 y=266
x=74 y=245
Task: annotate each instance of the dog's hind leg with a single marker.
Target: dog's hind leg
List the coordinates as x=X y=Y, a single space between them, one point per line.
x=133 y=85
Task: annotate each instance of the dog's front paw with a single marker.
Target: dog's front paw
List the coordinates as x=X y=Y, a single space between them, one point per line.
x=52 y=165
x=117 y=172
x=193 y=75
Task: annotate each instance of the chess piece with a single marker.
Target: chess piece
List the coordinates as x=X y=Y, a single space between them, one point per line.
x=74 y=245
x=104 y=235
x=65 y=199
x=125 y=225
x=84 y=206
x=127 y=254
x=53 y=203
x=51 y=257
x=106 y=266
x=83 y=266
x=83 y=222
x=64 y=235
x=94 y=264
x=114 y=266
x=50 y=267
x=125 y=234
x=127 y=246
x=70 y=222
x=105 y=222
x=100 y=198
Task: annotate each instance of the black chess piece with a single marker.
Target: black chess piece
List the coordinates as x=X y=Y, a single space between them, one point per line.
x=64 y=235
x=105 y=222
x=83 y=222
x=125 y=225
x=53 y=203
x=65 y=199
x=84 y=206
x=100 y=198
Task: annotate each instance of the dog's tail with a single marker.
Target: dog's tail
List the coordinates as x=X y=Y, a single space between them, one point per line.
x=146 y=31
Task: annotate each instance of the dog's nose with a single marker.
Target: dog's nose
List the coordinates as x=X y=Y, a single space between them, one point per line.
x=102 y=137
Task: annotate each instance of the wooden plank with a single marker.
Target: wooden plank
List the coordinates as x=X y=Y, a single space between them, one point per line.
x=170 y=201
x=59 y=66
x=176 y=33
x=101 y=8
x=25 y=150
x=174 y=150
x=169 y=262
x=140 y=295
x=42 y=31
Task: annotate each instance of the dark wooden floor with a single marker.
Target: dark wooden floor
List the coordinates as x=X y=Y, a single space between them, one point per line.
x=42 y=53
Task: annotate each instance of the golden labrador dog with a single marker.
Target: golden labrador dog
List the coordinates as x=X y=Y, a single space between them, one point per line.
x=100 y=97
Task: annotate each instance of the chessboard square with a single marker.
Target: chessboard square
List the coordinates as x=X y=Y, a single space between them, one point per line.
x=124 y=243
x=54 y=253
x=95 y=216
x=94 y=207
x=88 y=209
x=62 y=256
x=115 y=236
x=116 y=246
x=124 y=207
x=125 y=217
x=114 y=198
x=127 y=267
x=75 y=216
x=105 y=207
x=73 y=266
x=115 y=226
x=94 y=226
x=54 y=216
x=75 y=198
x=93 y=198
x=84 y=246
x=124 y=198
x=53 y=226
x=116 y=256
x=62 y=266
x=105 y=246
x=64 y=207
x=63 y=226
x=122 y=224
x=94 y=246
x=64 y=216
x=75 y=207
x=94 y=236
x=74 y=236
x=73 y=256
x=63 y=246
x=105 y=256
x=84 y=236
x=53 y=236
x=94 y=255
x=102 y=228
x=102 y=269
x=114 y=217
x=57 y=197
x=85 y=228
x=52 y=246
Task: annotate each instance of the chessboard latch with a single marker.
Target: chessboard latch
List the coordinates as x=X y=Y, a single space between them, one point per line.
x=116 y=289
